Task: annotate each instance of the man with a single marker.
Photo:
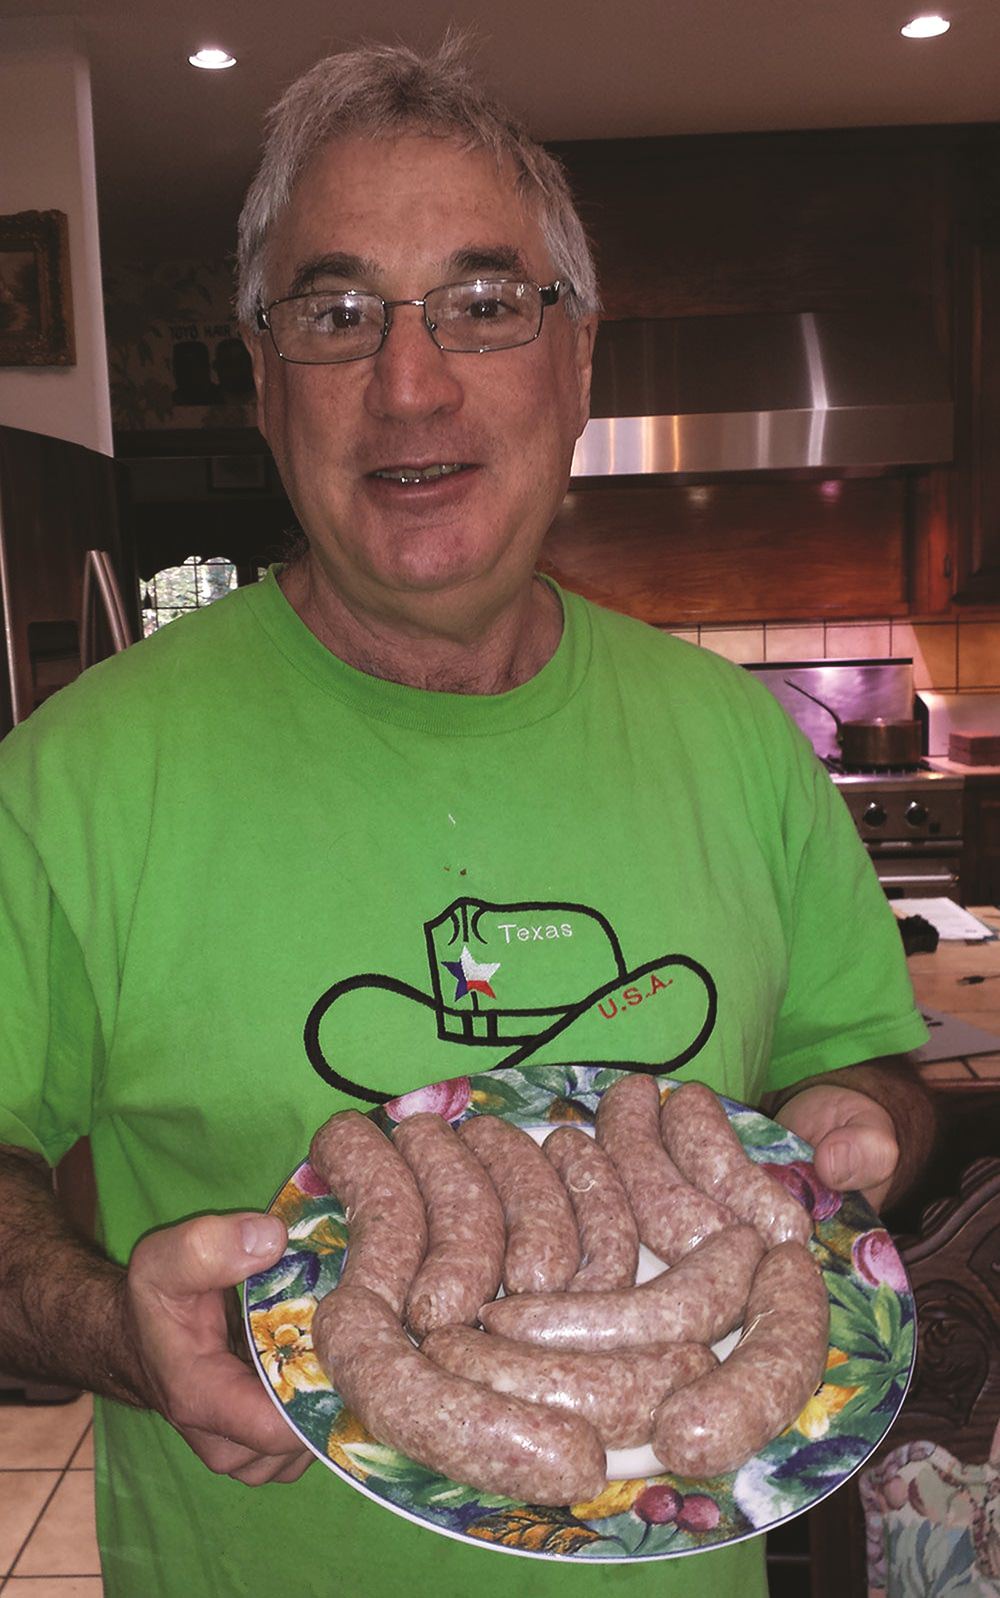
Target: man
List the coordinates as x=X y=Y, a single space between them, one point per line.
x=400 y=813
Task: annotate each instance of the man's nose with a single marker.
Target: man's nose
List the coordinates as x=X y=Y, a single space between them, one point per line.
x=411 y=377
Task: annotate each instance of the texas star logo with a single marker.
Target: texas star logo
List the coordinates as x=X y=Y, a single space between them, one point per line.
x=471 y=975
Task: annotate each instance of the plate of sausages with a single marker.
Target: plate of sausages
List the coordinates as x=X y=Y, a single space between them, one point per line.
x=580 y=1313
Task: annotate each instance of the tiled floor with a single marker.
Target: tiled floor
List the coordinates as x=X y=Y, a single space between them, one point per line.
x=47 y=1544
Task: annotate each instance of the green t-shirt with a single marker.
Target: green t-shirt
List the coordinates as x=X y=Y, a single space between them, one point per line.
x=243 y=885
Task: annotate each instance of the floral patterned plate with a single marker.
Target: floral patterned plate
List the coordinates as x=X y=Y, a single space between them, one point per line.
x=640 y=1515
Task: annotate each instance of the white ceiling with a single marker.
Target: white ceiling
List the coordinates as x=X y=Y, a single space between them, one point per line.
x=176 y=146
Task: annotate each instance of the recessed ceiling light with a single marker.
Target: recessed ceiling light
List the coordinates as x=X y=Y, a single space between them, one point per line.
x=925 y=27
x=212 y=60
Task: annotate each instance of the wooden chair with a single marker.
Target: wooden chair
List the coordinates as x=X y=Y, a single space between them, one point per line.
x=954 y=1398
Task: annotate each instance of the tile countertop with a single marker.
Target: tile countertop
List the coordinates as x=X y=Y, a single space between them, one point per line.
x=936 y=983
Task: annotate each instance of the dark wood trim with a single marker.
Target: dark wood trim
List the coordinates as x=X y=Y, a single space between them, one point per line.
x=954 y=1399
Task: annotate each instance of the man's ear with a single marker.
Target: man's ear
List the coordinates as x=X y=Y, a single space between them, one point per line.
x=586 y=332
x=254 y=342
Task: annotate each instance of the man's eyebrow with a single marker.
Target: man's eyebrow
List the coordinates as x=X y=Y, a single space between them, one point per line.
x=338 y=264
x=359 y=269
x=479 y=258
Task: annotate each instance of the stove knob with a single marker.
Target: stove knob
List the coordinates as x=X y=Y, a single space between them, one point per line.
x=916 y=814
x=874 y=815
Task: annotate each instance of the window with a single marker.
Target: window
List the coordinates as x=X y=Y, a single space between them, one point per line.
x=178 y=589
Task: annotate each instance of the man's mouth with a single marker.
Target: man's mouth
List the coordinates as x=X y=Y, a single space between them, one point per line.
x=409 y=475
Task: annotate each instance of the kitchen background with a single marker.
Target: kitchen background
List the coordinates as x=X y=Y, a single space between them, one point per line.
x=798 y=230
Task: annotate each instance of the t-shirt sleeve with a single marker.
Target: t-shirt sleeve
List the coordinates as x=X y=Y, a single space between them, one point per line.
x=848 y=996
x=50 y=1036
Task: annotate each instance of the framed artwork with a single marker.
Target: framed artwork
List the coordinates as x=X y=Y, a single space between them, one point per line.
x=36 y=308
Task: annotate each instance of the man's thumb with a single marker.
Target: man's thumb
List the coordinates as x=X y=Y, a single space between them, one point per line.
x=211 y=1251
x=835 y=1162
x=261 y=1236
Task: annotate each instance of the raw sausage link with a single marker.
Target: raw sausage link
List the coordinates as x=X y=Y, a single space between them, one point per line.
x=543 y=1244
x=726 y=1417
x=703 y=1145
x=698 y=1300
x=603 y=1214
x=461 y=1429
x=465 y=1226
x=387 y=1226
x=616 y=1393
x=672 y=1216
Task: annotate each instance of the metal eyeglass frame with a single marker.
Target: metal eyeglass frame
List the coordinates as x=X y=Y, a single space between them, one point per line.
x=550 y=294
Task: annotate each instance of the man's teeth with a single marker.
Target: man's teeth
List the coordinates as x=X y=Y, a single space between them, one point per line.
x=418 y=474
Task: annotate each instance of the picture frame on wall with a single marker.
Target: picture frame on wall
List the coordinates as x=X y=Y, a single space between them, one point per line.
x=36 y=306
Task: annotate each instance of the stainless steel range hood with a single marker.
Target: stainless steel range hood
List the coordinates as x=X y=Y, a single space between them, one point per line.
x=866 y=389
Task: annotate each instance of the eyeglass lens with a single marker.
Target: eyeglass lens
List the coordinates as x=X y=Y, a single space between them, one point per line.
x=487 y=314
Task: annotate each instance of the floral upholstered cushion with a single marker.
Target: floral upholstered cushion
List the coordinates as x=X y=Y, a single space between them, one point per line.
x=932 y=1524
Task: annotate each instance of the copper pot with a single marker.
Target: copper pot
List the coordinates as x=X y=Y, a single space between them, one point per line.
x=875 y=744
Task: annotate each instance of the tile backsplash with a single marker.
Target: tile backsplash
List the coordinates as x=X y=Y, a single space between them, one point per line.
x=949 y=655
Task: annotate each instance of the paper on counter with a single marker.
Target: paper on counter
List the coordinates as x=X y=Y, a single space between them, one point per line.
x=952 y=1039
x=953 y=923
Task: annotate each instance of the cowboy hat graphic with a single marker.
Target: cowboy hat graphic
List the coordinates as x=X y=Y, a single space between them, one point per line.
x=536 y=979
x=532 y=980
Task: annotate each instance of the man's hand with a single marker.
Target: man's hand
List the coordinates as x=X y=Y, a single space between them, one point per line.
x=872 y=1126
x=853 y=1137
x=175 y=1306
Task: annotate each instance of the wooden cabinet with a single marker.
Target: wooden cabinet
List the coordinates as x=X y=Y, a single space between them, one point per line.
x=738 y=550
x=977 y=465
x=824 y=221
x=758 y=223
x=980 y=870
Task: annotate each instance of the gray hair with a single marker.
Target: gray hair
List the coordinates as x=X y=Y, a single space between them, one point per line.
x=382 y=90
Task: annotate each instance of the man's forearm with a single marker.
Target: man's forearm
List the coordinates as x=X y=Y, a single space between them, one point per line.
x=892 y=1083
x=61 y=1300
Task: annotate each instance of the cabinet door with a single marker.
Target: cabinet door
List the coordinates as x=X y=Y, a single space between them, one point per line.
x=978 y=485
x=980 y=870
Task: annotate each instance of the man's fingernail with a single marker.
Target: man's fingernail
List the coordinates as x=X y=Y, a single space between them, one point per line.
x=260 y=1234
x=840 y=1164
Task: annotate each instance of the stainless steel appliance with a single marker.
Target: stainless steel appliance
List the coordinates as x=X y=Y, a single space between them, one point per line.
x=701 y=394
x=910 y=819
x=57 y=502
x=101 y=597
x=911 y=824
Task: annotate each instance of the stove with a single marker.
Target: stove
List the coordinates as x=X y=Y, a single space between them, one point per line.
x=911 y=823
x=910 y=819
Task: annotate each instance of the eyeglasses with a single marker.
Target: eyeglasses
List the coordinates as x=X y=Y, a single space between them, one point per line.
x=491 y=313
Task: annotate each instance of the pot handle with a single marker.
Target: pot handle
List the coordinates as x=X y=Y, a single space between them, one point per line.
x=829 y=710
